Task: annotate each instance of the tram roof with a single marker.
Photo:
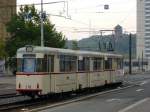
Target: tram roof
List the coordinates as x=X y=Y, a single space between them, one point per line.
x=48 y=50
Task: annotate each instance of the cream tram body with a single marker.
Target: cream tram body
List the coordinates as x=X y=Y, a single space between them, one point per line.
x=44 y=70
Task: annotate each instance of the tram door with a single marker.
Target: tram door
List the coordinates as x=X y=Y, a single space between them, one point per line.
x=87 y=69
x=50 y=64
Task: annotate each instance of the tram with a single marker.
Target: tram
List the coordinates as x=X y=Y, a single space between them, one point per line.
x=45 y=70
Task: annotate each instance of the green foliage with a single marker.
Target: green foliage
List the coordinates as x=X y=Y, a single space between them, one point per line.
x=2 y=49
x=75 y=45
x=25 y=31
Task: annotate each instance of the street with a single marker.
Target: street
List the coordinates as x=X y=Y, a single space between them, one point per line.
x=135 y=99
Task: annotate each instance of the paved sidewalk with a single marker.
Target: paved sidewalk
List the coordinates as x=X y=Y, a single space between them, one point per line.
x=8 y=80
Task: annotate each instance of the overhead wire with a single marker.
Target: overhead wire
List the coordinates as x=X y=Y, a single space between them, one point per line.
x=77 y=21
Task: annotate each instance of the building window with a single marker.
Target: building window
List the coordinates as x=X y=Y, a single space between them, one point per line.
x=147 y=46
x=147 y=55
x=147 y=0
x=147 y=4
x=147 y=42
x=147 y=8
x=148 y=51
x=147 y=21
x=147 y=34
x=147 y=30
x=148 y=25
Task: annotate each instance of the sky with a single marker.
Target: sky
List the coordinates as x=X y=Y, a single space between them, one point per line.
x=86 y=17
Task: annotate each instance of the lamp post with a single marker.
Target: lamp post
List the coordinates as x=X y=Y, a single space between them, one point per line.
x=42 y=29
x=43 y=15
x=130 y=53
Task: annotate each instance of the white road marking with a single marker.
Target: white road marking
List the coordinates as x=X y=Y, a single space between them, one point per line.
x=110 y=100
x=134 y=105
x=144 y=82
x=76 y=100
x=138 y=90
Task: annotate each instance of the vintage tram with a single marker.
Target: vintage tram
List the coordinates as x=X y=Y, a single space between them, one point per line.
x=45 y=70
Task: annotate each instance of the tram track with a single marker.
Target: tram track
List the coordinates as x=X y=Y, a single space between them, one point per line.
x=12 y=100
x=10 y=95
x=39 y=102
x=19 y=104
x=30 y=103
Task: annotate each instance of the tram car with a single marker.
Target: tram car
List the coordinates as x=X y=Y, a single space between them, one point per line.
x=45 y=70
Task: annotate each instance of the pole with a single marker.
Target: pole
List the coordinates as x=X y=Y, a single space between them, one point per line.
x=42 y=29
x=138 y=63
x=99 y=42
x=130 y=54
x=142 y=61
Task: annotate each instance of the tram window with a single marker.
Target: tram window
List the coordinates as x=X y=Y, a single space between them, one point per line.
x=41 y=65
x=62 y=63
x=84 y=65
x=45 y=64
x=81 y=65
x=108 y=63
x=97 y=64
x=67 y=63
x=119 y=63
x=28 y=65
x=31 y=64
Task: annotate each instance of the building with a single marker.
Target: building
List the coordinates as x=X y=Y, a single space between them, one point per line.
x=143 y=29
x=118 y=31
x=138 y=65
x=7 y=9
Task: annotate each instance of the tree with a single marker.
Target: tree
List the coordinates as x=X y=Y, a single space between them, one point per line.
x=2 y=49
x=24 y=29
x=75 y=45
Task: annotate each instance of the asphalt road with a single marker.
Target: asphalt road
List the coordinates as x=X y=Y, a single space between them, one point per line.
x=135 y=99
x=7 y=85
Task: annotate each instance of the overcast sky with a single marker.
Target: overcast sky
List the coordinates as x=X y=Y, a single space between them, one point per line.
x=89 y=16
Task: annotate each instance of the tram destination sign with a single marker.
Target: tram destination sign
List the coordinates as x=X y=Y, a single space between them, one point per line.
x=29 y=48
